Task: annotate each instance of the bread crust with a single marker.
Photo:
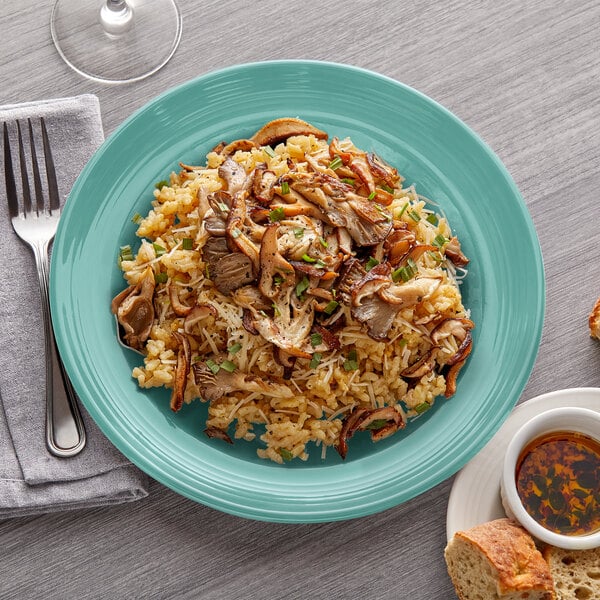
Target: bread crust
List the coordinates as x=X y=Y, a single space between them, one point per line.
x=516 y=563
x=594 y=320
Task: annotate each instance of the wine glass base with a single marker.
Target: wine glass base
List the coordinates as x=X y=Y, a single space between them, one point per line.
x=123 y=52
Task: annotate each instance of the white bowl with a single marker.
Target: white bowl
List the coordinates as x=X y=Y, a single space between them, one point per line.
x=580 y=420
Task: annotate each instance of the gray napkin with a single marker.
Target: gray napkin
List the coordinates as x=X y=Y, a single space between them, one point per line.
x=31 y=479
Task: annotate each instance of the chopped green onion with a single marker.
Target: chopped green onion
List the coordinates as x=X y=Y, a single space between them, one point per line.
x=351 y=363
x=315 y=339
x=435 y=256
x=137 y=218
x=299 y=232
x=308 y=259
x=386 y=215
x=402 y=342
x=405 y=273
x=228 y=366
x=235 y=348
x=315 y=360
x=269 y=151
x=439 y=240
x=235 y=233
x=331 y=307
x=432 y=218
x=387 y=188
x=278 y=279
x=414 y=215
x=372 y=195
x=323 y=243
x=276 y=310
x=302 y=286
x=125 y=253
x=223 y=207
x=377 y=424
x=348 y=180
x=285 y=188
x=161 y=277
x=372 y=262
x=320 y=264
x=187 y=243
x=213 y=366
x=158 y=249
x=286 y=454
x=336 y=163
x=161 y=184
x=402 y=211
x=421 y=408
x=277 y=214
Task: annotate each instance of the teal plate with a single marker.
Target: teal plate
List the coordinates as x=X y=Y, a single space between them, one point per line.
x=505 y=288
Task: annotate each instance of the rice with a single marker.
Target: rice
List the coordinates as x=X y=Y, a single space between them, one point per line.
x=308 y=403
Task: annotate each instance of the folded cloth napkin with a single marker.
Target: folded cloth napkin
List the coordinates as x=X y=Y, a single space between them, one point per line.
x=31 y=479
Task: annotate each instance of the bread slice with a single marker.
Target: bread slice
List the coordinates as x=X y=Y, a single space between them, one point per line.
x=576 y=573
x=594 y=320
x=497 y=560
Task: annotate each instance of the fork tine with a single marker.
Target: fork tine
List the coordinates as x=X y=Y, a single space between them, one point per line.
x=37 y=182
x=9 y=177
x=26 y=193
x=50 y=169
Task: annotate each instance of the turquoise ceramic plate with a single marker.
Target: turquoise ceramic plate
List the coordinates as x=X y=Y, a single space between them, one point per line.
x=429 y=146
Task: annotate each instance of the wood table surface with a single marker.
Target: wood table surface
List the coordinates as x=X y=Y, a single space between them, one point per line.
x=526 y=77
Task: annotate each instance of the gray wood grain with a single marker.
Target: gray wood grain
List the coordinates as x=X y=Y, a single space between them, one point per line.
x=526 y=77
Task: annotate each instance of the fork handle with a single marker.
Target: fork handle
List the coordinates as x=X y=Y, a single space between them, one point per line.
x=65 y=431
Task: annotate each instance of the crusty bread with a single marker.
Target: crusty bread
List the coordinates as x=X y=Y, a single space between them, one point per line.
x=576 y=573
x=594 y=320
x=497 y=560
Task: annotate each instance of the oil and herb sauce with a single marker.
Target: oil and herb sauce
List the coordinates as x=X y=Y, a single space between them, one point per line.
x=558 y=481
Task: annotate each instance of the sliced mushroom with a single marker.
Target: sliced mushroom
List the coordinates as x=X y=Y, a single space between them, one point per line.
x=272 y=264
x=421 y=367
x=234 y=175
x=351 y=272
x=453 y=371
x=232 y=271
x=179 y=308
x=455 y=254
x=218 y=433
x=377 y=315
x=235 y=231
x=460 y=329
x=184 y=357
x=216 y=385
x=233 y=147
x=262 y=185
x=372 y=281
x=279 y=130
x=410 y=293
x=287 y=361
x=367 y=222
x=382 y=422
x=135 y=310
x=214 y=249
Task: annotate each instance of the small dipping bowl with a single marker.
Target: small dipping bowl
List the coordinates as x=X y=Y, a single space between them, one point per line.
x=545 y=428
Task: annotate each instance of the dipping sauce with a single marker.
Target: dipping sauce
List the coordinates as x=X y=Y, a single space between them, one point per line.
x=558 y=482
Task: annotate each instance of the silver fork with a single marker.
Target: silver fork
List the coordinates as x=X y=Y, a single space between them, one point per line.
x=36 y=225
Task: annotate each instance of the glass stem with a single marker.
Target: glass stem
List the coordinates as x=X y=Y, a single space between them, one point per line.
x=116 y=17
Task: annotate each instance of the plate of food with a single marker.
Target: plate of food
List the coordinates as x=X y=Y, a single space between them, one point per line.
x=281 y=289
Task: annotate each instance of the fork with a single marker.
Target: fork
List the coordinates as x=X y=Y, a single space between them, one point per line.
x=36 y=225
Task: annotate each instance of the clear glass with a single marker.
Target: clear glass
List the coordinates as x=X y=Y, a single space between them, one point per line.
x=116 y=41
